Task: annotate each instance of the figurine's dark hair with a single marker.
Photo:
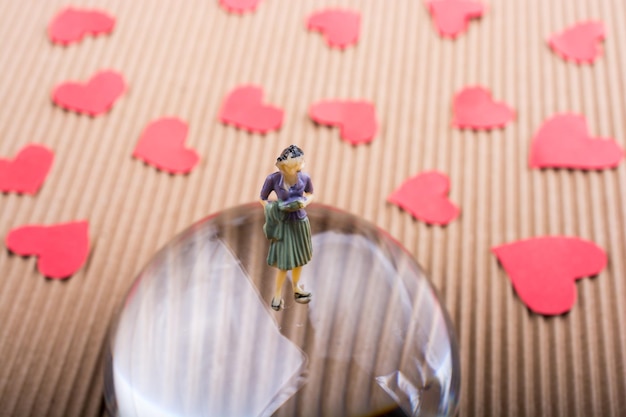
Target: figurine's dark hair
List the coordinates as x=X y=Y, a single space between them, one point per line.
x=290 y=152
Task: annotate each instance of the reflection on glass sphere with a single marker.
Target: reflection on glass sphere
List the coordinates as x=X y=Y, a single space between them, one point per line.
x=196 y=335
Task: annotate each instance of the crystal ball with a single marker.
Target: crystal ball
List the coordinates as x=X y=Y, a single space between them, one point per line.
x=196 y=336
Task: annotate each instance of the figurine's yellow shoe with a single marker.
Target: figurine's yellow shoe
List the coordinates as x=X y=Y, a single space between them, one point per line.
x=301 y=296
x=277 y=304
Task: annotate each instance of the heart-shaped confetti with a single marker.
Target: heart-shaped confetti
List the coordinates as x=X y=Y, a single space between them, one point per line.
x=543 y=270
x=356 y=119
x=162 y=144
x=580 y=42
x=27 y=171
x=95 y=97
x=62 y=248
x=240 y=6
x=425 y=197
x=474 y=108
x=564 y=142
x=72 y=25
x=244 y=108
x=451 y=17
x=339 y=27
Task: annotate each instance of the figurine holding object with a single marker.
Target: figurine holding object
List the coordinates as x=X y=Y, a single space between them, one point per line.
x=286 y=223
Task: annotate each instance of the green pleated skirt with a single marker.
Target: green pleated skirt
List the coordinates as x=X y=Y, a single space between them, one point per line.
x=294 y=249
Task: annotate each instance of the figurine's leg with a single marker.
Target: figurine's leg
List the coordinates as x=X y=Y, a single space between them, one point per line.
x=277 y=302
x=301 y=296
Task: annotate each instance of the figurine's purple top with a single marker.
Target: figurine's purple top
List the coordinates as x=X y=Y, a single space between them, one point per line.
x=275 y=182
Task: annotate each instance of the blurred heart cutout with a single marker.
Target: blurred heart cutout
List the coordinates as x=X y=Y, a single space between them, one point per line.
x=543 y=270
x=339 y=27
x=62 y=248
x=240 y=6
x=580 y=43
x=425 y=197
x=563 y=141
x=162 y=145
x=95 y=97
x=356 y=119
x=451 y=17
x=474 y=108
x=72 y=25
x=27 y=171
x=244 y=108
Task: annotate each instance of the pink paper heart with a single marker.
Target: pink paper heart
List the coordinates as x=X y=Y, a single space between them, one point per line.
x=244 y=108
x=564 y=142
x=425 y=197
x=451 y=17
x=474 y=108
x=162 y=144
x=62 y=248
x=543 y=270
x=72 y=25
x=240 y=6
x=95 y=97
x=27 y=171
x=339 y=27
x=356 y=119
x=580 y=42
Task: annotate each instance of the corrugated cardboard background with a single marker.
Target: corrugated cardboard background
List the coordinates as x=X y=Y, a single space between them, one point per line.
x=181 y=58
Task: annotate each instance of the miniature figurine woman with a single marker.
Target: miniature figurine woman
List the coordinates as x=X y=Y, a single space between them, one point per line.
x=286 y=223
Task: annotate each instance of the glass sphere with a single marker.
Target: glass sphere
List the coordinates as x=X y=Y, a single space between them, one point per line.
x=196 y=335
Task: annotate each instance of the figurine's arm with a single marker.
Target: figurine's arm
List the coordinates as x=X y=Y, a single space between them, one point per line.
x=266 y=190
x=308 y=198
x=308 y=192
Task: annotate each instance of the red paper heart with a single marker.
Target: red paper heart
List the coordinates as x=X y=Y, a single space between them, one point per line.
x=72 y=25
x=474 y=108
x=425 y=197
x=564 y=142
x=543 y=270
x=451 y=17
x=240 y=6
x=244 y=109
x=579 y=43
x=93 y=98
x=27 y=172
x=357 y=119
x=162 y=144
x=340 y=27
x=62 y=248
